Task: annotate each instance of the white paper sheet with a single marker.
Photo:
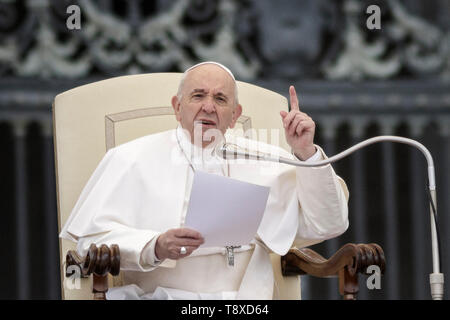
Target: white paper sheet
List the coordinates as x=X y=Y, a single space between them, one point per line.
x=227 y=212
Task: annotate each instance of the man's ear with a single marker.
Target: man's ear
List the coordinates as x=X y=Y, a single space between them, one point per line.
x=236 y=114
x=176 y=107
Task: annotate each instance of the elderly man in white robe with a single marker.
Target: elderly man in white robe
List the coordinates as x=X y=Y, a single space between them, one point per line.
x=138 y=197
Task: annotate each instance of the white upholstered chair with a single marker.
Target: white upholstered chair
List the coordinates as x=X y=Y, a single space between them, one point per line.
x=90 y=119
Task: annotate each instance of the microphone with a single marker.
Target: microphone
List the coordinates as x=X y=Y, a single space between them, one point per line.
x=224 y=152
x=436 y=278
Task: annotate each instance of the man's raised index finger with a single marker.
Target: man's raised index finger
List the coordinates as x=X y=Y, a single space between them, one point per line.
x=293 y=98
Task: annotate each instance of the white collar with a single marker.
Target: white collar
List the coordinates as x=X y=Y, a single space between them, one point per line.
x=200 y=158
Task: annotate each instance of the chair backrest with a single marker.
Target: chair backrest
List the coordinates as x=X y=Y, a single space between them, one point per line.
x=90 y=119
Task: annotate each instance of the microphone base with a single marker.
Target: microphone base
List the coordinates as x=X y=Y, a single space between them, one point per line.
x=437 y=286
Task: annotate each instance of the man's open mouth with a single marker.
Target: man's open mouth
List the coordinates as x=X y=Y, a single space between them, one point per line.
x=206 y=122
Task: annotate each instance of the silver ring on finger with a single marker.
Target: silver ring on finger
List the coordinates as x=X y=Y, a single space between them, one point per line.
x=183 y=250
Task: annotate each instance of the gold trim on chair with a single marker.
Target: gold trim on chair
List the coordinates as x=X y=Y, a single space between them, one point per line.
x=111 y=119
x=246 y=125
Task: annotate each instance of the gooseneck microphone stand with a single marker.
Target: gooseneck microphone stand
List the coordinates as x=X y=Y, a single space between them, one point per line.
x=436 y=278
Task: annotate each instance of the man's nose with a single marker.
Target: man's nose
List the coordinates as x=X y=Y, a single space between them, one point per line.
x=209 y=106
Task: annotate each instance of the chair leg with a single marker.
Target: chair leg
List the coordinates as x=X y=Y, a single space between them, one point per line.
x=348 y=284
x=100 y=286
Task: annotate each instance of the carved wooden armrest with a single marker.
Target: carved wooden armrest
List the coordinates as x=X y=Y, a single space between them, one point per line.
x=98 y=262
x=346 y=263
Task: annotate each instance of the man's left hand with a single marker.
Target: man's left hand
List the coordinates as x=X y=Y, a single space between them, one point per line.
x=299 y=129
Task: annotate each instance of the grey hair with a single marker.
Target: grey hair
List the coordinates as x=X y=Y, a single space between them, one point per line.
x=183 y=78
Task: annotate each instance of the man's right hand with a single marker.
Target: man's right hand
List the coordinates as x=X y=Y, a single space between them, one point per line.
x=168 y=245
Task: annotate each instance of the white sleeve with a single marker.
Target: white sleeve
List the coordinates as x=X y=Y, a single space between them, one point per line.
x=315 y=157
x=109 y=211
x=323 y=198
x=148 y=255
x=132 y=244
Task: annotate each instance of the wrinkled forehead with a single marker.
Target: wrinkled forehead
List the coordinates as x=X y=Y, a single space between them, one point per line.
x=209 y=77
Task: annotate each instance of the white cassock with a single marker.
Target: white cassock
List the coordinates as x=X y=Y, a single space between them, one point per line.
x=141 y=189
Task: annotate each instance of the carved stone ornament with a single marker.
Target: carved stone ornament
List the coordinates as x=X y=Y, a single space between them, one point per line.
x=256 y=39
x=35 y=41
